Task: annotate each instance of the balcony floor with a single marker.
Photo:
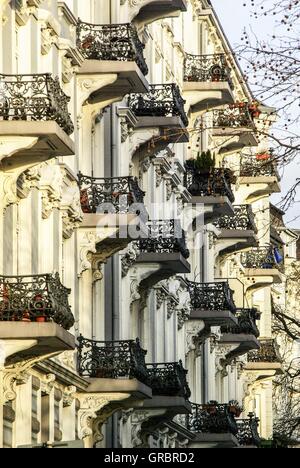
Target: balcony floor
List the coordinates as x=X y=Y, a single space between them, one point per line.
x=214 y=318
x=51 y=141
x=170 y=403
x=233 y=240
x=214 y=441
x=129 y=79
x=202 y=96
x=26 y=340
x=134 y=387
x=172 y=128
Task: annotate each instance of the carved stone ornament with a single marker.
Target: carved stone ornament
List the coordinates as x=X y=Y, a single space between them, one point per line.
x=129 y=258
x=93 y=413
x=69 y=395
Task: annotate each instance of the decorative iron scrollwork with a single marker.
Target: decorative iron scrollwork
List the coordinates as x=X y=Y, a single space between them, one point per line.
x=268 y=352
x=169 y=379
x=242 y=220
x=252 y=167
x=215 y=182
x=164 y=236
x=211 y=296
x=233 y=116
x=163 y=100
x=35 y=298
x=116 y=42
x=207 y=68
x=246 y=323
x=248 y=431
x=261 y=258
x=111 y=359
x=213 y=418
x=34 y=98
x=118 y=192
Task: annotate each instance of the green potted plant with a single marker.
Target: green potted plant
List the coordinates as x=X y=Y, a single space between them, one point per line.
x=205 y=162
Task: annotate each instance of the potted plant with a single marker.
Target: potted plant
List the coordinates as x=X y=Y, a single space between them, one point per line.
x=216 y=73
x=211 y=407
x=263 y=156
x=205 y=162
x=254 y=110
x=38 y=307
x=84 y=201
x=235 y=409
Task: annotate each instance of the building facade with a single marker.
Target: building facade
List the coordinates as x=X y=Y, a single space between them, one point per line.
x=135 y=181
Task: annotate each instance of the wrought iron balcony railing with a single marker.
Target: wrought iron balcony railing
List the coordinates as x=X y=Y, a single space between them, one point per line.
x=34 y=98
x=169 y=379
x=164 y=236
x=116 y=42
x=261 y=258
x=116 y=194
x=163 y=100
x=246 y=323
x=248 y=431
x=213 y=418
x=211 y=296
x=268 y=352
x=215 y=182
x=35 y=298
x=233 y=117
x=207 y=68
x=111 y=359
x=242 y=220
x=252 y=167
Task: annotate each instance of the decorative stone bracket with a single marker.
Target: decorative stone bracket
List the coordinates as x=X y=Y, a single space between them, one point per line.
x=95 y=410
x=14 y=375
x=89 y=257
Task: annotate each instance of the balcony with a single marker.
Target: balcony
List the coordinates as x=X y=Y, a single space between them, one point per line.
x=34 y=316
x=162 y=110
x=243 y=336
x=248 y=435
x=212 y=189
x=261 y=267
x=207 y=81
x=114 y=367
x=236 y=125
x=213 y=303
x=163 y=248
x=266 y=361
x=214 y=424
x=258 y=177
x=113 y=208
x=147 y=11
x=114 y=59
x=170 y=388
x=238 y=232
x=35 y=123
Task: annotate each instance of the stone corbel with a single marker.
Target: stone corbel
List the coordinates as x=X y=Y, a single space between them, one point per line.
x=192 y=331
x=139 y=419
x=16 y=374
x=71 y=209
x=94 y=411
x=89 y=84
x=129 y=258
x=48 y=38
x=47 y=383
x=69 y=395
x=90 y=258
x=50 y=185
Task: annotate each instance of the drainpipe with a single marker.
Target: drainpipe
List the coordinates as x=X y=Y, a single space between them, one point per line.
x=115 y=259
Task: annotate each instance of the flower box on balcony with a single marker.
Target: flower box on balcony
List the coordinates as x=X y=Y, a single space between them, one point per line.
x=263 y=156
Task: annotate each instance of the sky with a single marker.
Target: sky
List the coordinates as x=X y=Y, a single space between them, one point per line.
x=234 y=18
